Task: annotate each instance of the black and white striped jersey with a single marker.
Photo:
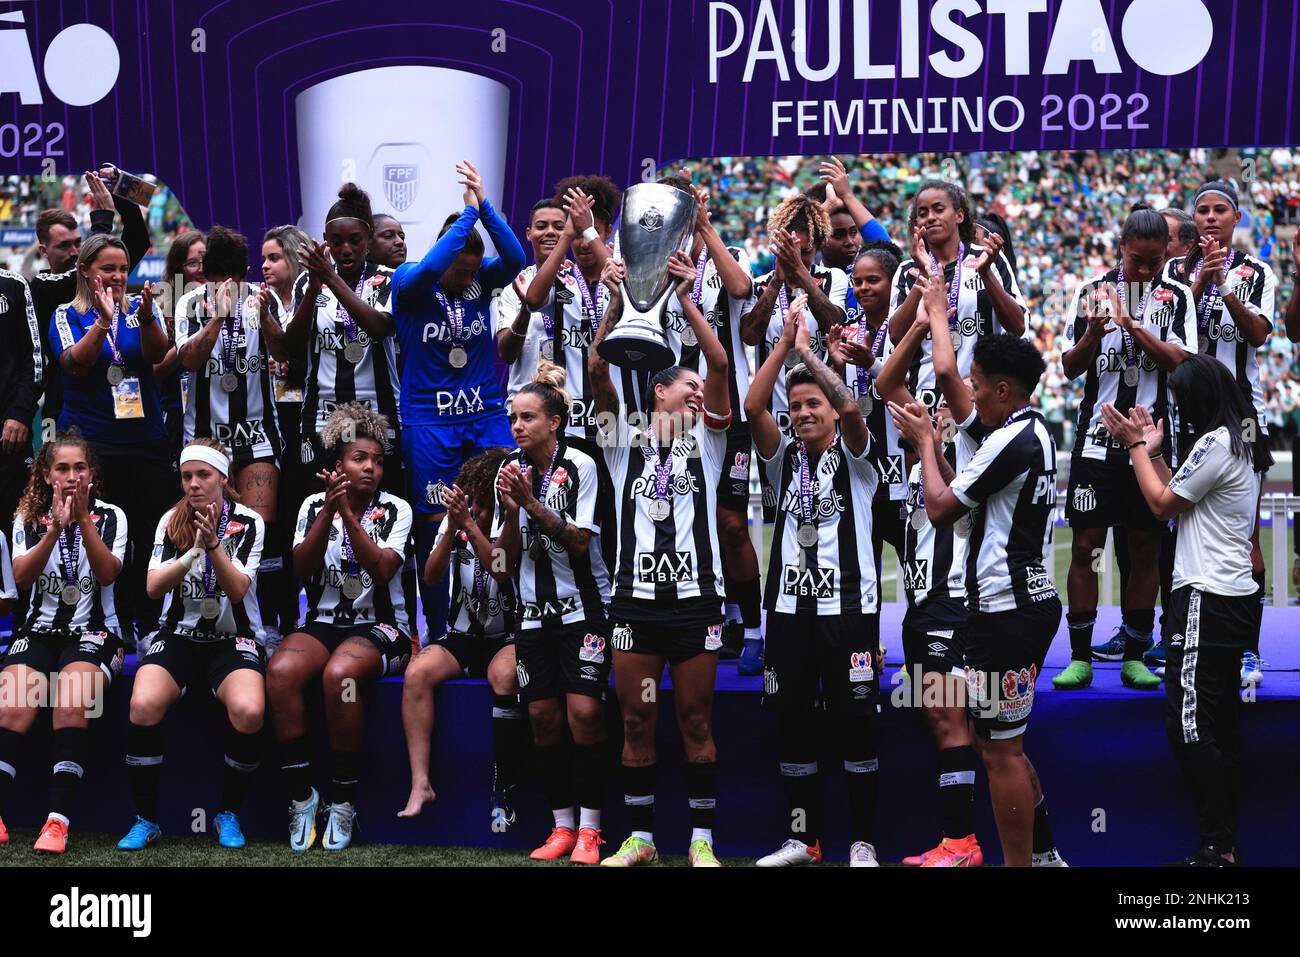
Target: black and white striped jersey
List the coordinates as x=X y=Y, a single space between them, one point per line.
x=481 y=606
x=1010 y=486
x=976 y=318
x=1255 y=286
x=562 y=330
x=8 y=589
x=835 y=576
x=331 y=379
x=934 y=559
x=723 y=315
x=181 y=611
x=833 y=282
x=671 y=567
x=892 y=464
x=95 y=609
x=1167 y=315
x=243 y=419
x=387 y=520
x=556 y=586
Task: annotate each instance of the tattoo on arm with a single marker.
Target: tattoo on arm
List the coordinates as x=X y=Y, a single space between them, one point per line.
x=840 y=395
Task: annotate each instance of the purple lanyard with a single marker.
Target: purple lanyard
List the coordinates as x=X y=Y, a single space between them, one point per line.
x=663 y=469
x=548 y=320
x=232 y=334
x=70 y=553
x=1130 y=347
x=954 y=289
x=350 y=324
x=209 y=570
x=808 y=488
x=112 y=333
x=546 y=476
x=920 y=485
x=455 y=309
x=864 y=375
x=1211 y=300
x=349 y=557
x=480 y=577
x=697 y=291
x=1017 y=414
x=590 y=307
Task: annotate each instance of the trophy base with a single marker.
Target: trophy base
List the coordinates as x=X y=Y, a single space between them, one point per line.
x=636 y=352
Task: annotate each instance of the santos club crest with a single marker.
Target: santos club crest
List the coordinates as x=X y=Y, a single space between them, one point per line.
x=401 y=181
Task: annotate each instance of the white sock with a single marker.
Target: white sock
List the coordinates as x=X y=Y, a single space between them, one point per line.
x=702 y=834
x=58 y=817
x=646 y=836
x=753 y=634
x=590 y=817
x=563 y=817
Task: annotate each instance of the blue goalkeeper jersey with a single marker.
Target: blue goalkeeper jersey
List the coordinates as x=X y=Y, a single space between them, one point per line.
x=431 y=325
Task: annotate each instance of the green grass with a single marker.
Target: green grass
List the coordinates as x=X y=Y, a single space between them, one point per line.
x=100 y=850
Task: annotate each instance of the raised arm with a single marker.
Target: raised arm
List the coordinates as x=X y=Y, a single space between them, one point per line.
x=717 y=385
x=853 y=427
x=767 y=434
x=756 y=320
x=602 y=386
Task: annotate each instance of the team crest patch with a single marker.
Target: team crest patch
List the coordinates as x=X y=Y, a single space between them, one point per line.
x=433 y=493
x=1017 y=694
x=593 y=649
x=401 y=182
x=713 y=638
x=622 y=638
x=521 y=674
x=860 y=666
x=770 y=684
x=1085 y=498
x=651 y=219
x=740 y=467
x=246 y=645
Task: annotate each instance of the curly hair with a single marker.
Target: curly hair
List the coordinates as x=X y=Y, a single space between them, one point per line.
x=180 y=528
x=1004 y=356
x=477 y=477
x=601 y=189
x=38 y=497
x=801 y=213
x=352 y=421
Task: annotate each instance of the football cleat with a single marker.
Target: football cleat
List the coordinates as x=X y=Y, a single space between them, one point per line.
x=1155 y=657
x=791 y=854
x=560 y=844
x=862 y=854
x=1050 y=858
x=701 y=854
x=53 y=838
x=302 y=822
x=634 y=851
x=956 y=852
x=1134 y=674
x=142 y=834
x=339 y=821
x=751 y=657
x=1112 y=649
x=586 y=850
x=503 y=810
x=1252 y=670
x=1076 y=676
x=229 y=833
x=4 y=833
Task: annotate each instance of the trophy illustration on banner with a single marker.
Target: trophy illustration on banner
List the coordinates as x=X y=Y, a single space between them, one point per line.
x=657 y=221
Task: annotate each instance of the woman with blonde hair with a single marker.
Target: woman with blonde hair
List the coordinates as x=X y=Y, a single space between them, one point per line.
x=204 y=567
x=68 y=549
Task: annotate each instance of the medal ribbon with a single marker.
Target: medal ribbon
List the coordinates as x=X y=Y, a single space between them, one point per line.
x=455 y=309
x=1017 y=414
x=350 y=324
x=1212 y=299
x=807 y=488
x=70 y=553
x=591 y=308
x=697 y=291
x=663 y=469
x=93 y=316
x=209 y=571
x=954 y=289
x=1130 y=347
x=232 y=333
x=864 y=375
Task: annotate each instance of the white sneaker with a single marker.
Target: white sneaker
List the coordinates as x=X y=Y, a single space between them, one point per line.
x=790 y=854
x=302 y=822
x=862 y=854
x=1051 y=858
x=338 y=826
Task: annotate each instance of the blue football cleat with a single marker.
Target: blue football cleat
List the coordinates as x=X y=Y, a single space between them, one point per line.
x=1155 y=656
x=229 y=834
x=142 y=834
x=1252 y=672
x=751 y=657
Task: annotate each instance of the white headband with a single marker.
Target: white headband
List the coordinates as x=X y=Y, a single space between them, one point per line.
x=1217 y=192
x=208 y=455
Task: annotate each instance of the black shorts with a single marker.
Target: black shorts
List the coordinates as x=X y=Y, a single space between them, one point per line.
x=215 y=659
x=473 y=652
x=733 y=481
x=886 y=526
x=393 y=645
x=49 y=652
x=828 y=656
x=675 y=643
x=934 y=636
x=560 y=659
x=1004 y=654
x=1104 y=495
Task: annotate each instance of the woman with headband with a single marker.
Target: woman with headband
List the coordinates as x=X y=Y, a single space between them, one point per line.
x=68 y=550
x=204 y=567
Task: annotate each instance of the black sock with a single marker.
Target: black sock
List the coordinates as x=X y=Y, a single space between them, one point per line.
x=1043 y=840
x=798 y=756
x=1261 y=592
x=857 y=738
x=509 y=737
x=295 y=766
x=347 y=768
x=144 y=758
x=557 y=775
x=589 y=775
x=639 y=796
x=1081 y=625
x=11 y=743
x=957 y=790
x=70 y=745
x=749 y=596
x=1139 y=621
x=702 y=792
x=243 y=757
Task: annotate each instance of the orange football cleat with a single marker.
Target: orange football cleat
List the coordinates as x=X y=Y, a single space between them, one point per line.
x=561 y=843
x=53 y=838
x=587 y=848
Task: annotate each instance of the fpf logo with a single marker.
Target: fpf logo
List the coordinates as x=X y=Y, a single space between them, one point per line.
x=80 y=65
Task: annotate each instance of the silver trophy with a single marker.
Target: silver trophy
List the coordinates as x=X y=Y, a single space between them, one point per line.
x=657 y=221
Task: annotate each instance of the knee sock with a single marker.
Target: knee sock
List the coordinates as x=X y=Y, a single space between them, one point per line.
x=1081 y=625
x=749 y=597
x=144 y=758
x=957 y=790
x=639 y=799
x=243 y=757
x=1252 y=639
x=347 y=768
x=557 y=781
x=295 y=767
x=798 y=758
x=70 y=745
x=858 y=748
x=1043 y=840
x=11 y=743
x=589 y=781
x=1138 y=625
x=702 y=796
x=508 y=736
